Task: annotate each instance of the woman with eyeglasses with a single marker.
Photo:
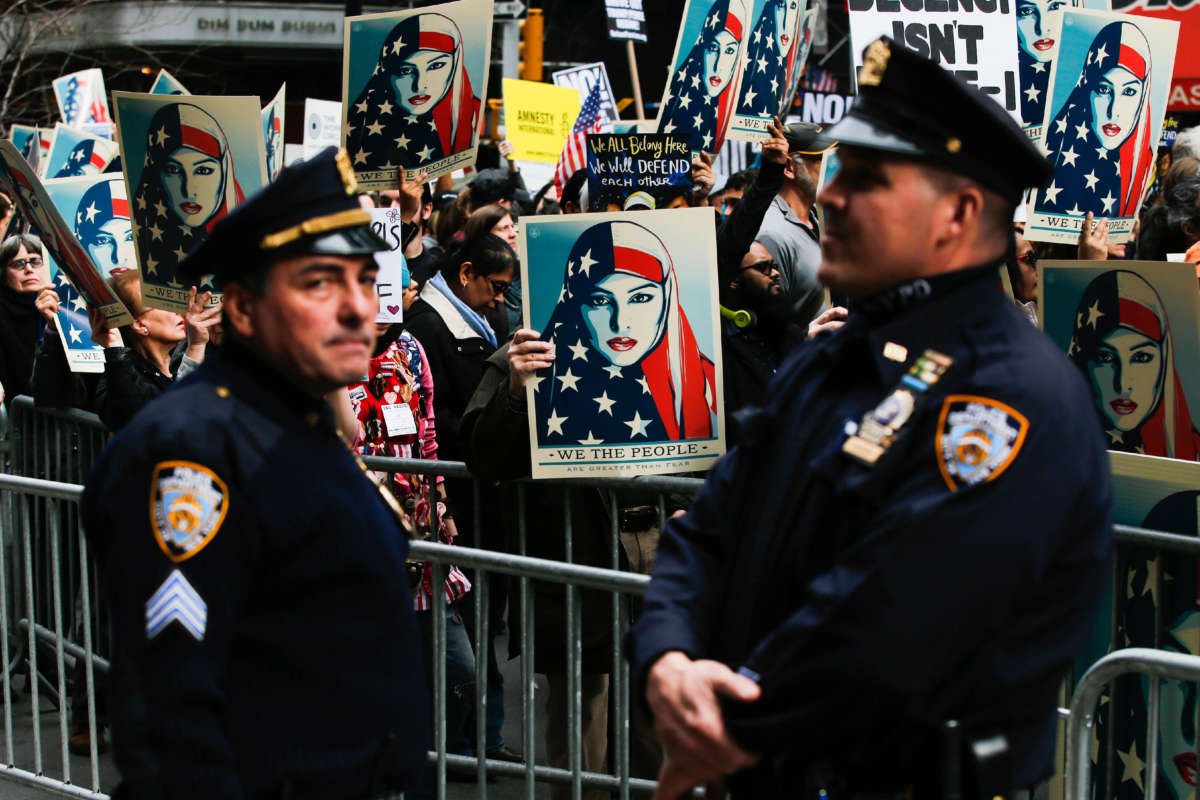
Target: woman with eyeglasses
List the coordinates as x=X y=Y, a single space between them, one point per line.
x=497 y=219
x=21 y=322
x=448 y=319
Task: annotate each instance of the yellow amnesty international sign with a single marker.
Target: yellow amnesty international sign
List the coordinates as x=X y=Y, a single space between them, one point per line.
x=538 y=117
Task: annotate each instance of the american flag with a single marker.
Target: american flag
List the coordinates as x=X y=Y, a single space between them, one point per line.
x=574 y=152
x=819 y=80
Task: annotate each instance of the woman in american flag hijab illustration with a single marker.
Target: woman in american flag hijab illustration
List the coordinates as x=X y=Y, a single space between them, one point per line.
x=628 y=366
x=773 y=55
x=418 y=106
x=704 y=91
x=1122 y=343
x=1036 y=21
x=102 y=227
x=187 y=185
x=1099 y=140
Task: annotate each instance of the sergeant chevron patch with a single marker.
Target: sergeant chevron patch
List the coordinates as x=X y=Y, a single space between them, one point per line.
x=176 y=601
x=977 y=439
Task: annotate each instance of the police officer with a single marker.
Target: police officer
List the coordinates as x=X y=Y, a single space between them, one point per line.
x=917 y=526
x=264 y=638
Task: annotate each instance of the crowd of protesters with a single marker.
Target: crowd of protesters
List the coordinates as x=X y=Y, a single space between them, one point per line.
x=459 y=363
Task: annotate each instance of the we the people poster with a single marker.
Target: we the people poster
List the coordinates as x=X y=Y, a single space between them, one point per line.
x=1133 y=330
x=413 y=83
x=273 y=128
x=1108 y=94
x=629 y=301
x=701 y=97
x=189 y=160
x=779 y=45
x=1039 y=23
x=74 y=152
x=98 y=210
x=1156 y=605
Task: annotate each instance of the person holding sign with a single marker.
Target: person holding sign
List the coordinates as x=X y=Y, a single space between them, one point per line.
x=894 y=544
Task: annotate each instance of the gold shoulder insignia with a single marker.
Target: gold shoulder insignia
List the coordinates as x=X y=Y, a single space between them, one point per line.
x=875 y=63
x=347 y=172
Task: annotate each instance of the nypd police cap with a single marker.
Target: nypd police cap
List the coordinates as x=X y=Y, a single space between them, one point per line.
x=909 y=106
x=312 y=207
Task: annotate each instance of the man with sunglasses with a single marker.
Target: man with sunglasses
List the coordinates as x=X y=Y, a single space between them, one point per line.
x=757 y=333
x=790 y=231
x=917 y=527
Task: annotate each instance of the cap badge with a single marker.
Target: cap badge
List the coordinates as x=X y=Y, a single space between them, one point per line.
x=346 y=171
x=953 y=144
x=875 y=62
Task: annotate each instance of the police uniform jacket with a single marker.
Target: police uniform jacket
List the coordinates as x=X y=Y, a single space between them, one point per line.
x=264 y=638
x=953 y=578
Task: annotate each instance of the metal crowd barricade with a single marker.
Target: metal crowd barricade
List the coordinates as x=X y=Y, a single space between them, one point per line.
x=1155 y=665
x=53 y=642
x=53 y=624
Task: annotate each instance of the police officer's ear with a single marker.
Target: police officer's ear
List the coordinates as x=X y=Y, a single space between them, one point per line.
x=959 y=214
x=239 y=307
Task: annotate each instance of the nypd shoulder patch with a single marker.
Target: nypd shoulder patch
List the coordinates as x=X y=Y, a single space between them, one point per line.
x=977 y=439
x=176 y=601
x=188 y=503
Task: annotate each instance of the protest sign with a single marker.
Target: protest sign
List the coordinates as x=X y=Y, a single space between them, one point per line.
x=25 y=138
x=1133 y=330
x=74 y=330
x=81 y=97
x=392 y=278
x=823 y=108
x=706 y=72
x=272 y=122
x=18 y=182
x=322 y=125
x=1156 y=606
x=630 y=302
x=626 y=19
x=74 y=153
x=637 y=170
x=538 y=118
x=1039 y=23
x=1108 y=94
x=188 y=162
x=778 y=48
x=582 y=78
x=166 y=83
x=412 y=84
x=971 y=38
x=97 y=207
